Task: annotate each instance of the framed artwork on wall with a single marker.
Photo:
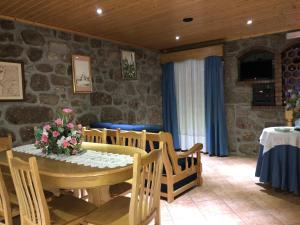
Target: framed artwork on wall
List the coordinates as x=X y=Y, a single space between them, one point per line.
x=82 y=76
x=11 y=81
x=128 y=65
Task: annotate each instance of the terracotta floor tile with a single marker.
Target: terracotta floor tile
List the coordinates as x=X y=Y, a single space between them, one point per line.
x=262 y=217
x=231 y=195
x=288 y=215
x=225 y=219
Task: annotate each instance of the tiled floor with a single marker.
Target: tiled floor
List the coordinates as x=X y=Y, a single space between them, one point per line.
x=231 y=195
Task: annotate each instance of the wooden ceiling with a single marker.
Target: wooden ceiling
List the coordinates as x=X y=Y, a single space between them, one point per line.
x=155 y=23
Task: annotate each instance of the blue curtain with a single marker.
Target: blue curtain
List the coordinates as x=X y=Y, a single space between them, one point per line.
x=215 y=121
x=170 y=121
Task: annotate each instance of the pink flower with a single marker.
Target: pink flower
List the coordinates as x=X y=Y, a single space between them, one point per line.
x=59 y=121
x=73 y=141
x=70 y=125
x=47 y=127
x=65 y=144
x=55 y=134
x=67 y=110
x=44 y=138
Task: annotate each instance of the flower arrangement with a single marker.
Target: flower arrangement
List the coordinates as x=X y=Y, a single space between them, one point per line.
x=60 y=136
x=293 y=102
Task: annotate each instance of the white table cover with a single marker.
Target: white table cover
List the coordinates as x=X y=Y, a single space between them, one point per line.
x=89 y=158
x=271 y=138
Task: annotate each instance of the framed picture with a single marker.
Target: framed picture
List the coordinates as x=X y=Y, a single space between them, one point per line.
x=82 y=76
x=11 y=81
x=128 y=65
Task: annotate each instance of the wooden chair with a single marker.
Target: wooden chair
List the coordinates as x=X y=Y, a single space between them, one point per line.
x=132 y=138
x=112 y=136
x=144 y=204
x=32 y=201
x=5 y=143
x=127 y=138
x=8 y=210
x=94 y=135
x=182 y=170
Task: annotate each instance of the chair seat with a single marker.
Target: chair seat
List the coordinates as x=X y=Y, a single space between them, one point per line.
x=120 y=188
x=65 y=209
x=114 y=212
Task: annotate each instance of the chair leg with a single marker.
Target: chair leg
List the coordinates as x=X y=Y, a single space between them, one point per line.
x=170 y=193
x=157 y=217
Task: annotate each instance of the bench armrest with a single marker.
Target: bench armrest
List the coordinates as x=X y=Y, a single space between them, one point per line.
x=195 y=149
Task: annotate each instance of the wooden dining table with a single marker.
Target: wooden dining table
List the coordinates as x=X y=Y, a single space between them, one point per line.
x=63 y=175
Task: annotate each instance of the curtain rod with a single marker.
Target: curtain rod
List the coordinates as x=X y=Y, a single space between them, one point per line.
x=193 y=46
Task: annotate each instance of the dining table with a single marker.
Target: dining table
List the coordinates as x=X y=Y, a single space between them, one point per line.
x=278 y=162
x=56 y=174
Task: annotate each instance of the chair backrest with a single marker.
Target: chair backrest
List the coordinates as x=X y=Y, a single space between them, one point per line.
x=27 y=182
x=112 y=136
x=5 y=207
x=5 y=143
x=132 y=138
x=94 y=135
x=161 y=139
x=145 y=197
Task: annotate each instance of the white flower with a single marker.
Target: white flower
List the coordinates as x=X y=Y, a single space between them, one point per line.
x=68 y=138
x=45 y=132
x=60 y=141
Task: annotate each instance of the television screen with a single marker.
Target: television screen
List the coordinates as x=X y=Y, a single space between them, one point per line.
x=256 y=65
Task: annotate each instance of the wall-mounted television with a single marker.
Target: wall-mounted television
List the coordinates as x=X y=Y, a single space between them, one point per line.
x=256 y=65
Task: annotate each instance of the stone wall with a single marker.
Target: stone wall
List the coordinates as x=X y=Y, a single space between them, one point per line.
x=46 y=54
x=245 y=123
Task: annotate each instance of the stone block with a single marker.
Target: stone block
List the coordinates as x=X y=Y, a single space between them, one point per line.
x=111 y=114
x=60 y=80
x=59 y=51
x=34 y=54
x=32 y=37
x=27 y=133
x=7 y=24
x=100 y=98
x=39 y=82
x=10 y=50
x=87 y=118
x=28 y=114
x=6 y=37
x=44 y=67
x=49 y=99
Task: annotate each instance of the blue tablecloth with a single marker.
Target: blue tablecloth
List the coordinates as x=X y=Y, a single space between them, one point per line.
x=280 y=167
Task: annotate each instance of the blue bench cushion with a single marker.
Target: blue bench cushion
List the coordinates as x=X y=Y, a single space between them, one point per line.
x=134 y=127
x=183 y=182
x=180 y=183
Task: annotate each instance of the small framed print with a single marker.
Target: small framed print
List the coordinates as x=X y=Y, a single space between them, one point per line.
x=11 y=81
x=82 y=77
x=128 y=65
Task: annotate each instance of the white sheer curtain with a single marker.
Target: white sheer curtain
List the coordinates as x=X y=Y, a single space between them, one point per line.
x=189 y=83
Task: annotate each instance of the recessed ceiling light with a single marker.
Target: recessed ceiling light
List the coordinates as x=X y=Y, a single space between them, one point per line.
x=249 y=22
x=187 y=19
x=99 y=11
x=177 y=37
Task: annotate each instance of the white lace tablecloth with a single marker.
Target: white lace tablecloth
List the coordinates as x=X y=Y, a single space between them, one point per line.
x=89 y=158
x=271 y=138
